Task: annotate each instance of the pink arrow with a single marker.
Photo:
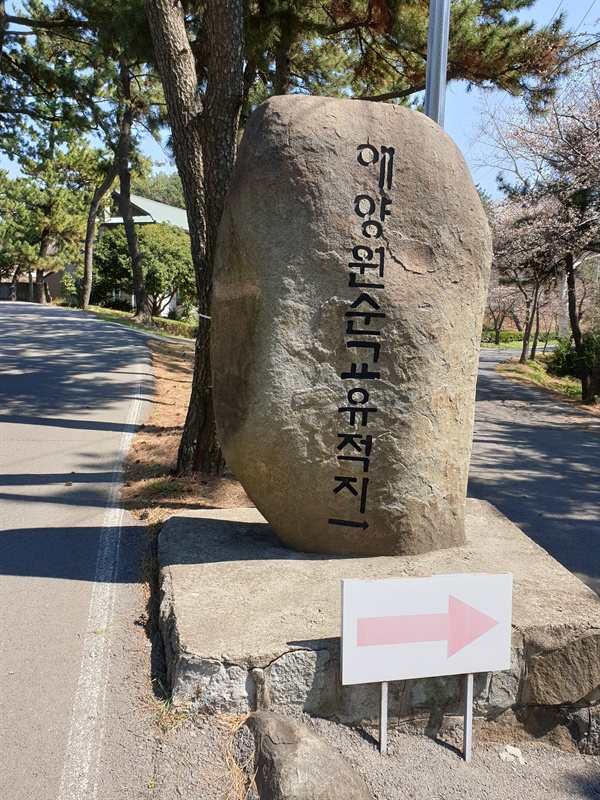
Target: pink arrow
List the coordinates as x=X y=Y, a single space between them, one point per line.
x=460 y=626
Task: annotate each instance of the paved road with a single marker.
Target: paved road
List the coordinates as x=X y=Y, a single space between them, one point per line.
x=72 y=389
x=538 y=461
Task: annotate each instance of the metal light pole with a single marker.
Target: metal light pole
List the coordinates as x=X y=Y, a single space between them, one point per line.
x=437 y=59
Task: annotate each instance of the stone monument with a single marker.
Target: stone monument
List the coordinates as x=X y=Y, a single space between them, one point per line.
x=351 y=277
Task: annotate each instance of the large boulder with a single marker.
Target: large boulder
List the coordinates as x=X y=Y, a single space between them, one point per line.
x=350 y=283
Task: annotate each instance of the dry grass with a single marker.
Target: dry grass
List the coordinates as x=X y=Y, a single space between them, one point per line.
x=241 y=774
x=151 y=490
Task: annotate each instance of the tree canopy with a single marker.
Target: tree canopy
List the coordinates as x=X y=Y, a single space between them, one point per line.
x=167 y=260
x=161 y=186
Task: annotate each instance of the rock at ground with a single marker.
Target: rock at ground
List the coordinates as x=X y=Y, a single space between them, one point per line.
x=294 y=763
x=350 y=283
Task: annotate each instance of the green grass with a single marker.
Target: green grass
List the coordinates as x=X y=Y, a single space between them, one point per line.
x=536 y=372
x=516 y=344
x=503 y=346
x=170 y=327
x=164 y=487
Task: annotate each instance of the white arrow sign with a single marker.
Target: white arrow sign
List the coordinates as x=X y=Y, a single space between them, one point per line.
x=421 y=627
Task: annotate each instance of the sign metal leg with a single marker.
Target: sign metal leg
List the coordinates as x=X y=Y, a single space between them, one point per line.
x=468 y=734
x=383 y=718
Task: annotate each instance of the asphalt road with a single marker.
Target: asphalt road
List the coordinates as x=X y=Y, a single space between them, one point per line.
x=72 y=389
x=538 y=462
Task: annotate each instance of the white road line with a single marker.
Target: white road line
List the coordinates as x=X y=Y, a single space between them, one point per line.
x=82 y=758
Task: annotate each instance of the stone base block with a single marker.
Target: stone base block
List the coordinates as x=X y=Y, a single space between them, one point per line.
x=249 y=624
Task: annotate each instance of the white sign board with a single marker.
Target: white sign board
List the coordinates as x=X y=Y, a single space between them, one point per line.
x=426 y=626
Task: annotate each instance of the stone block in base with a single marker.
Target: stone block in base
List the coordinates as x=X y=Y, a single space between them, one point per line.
x=249 y=624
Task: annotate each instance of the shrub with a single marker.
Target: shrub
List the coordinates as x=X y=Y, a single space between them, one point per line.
x=564 y=360
x=176 y=327
x=69 y=287
x=488 y=336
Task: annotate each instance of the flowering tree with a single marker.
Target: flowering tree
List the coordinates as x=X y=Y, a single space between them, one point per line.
x=550 y=172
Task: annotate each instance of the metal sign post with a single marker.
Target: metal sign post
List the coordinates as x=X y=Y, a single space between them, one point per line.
x=383 y=717
x=437 y=59
x=468 y=735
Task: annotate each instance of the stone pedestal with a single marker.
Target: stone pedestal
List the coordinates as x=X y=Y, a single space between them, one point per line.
x=249 y=624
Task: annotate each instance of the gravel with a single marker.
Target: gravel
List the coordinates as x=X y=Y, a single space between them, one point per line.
x=191 y=762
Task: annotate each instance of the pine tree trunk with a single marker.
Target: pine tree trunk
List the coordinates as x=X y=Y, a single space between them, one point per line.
x=13 y=285
x=143 y=309
x=204 y=147
x=39 y=293
x=90 y=233
x=282 y=80
x=584 y=370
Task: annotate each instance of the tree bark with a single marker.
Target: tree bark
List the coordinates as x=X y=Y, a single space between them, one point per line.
x=536 y=335
x=3 y=25
x=282 y=80
x=90 y=233
x=563 y=308
x=204 y=147
x=13 y=285
x=584 y=369
x=38 y=287
x=143 y=306
x=39 y=293
x=594 y=383
x=531 y=304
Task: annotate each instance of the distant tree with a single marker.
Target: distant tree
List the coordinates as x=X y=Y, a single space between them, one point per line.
x=102 y=83
x=161 y=186
x=525 y=253
x=57 y=163
x=167 y=260
x=19 y=247
x=501 y=302
x=551 y=163
x=26 y=79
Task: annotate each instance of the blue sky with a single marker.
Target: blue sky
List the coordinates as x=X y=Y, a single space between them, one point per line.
x=461 y=106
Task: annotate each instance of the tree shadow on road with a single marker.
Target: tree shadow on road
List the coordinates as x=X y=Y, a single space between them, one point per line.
x=539 y=466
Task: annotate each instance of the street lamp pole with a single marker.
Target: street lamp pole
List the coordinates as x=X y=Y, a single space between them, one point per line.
x=437 y=59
